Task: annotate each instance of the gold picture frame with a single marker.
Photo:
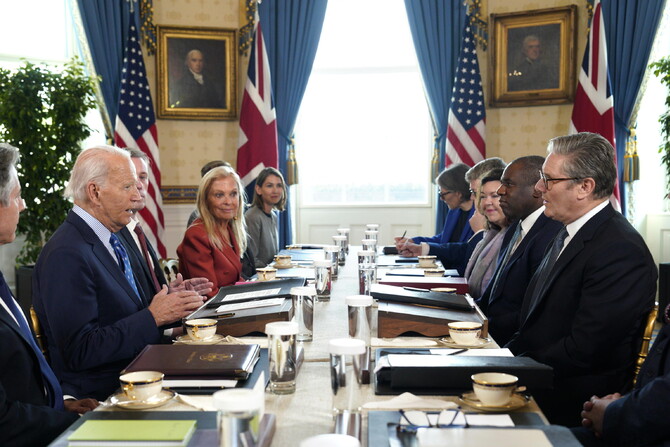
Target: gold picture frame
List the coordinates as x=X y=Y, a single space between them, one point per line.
x=197 y=73
x=533 y=57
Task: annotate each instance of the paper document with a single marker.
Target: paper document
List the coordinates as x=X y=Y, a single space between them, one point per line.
x=249 y=305
x=493 y=352
x=207 y=383
x=251 y=295
x=478 y=437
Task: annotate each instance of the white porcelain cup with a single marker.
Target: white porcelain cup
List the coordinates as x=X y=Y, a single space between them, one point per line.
x=283 y=260
x=493 y=388
x=266 y=273
x=465 y=332
x=201 y=328
x=433 y=272
x=141 y=385
x=427 y=261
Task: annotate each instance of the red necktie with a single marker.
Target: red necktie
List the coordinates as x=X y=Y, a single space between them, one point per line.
x=147 y=257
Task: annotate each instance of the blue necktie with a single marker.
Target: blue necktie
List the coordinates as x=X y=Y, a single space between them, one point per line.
x=124 y=262
x=53 y=389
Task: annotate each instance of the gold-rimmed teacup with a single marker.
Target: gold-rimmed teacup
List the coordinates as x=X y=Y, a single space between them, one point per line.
x=494 y=388
x=201 y=328
x=141 y=385
x=465 y=332
x=266 y=273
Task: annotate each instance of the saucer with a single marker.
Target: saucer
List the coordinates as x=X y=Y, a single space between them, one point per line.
x=517 y=401
x=281 y=267
x=480 y=343
x=121 y=400
x=214 y=339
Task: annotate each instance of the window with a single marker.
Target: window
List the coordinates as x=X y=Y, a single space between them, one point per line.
x=363 y=134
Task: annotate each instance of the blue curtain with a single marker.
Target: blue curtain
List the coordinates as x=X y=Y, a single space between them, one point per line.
x=292 y=29
x=630 y=26
x=436 y=30
x=106 y=27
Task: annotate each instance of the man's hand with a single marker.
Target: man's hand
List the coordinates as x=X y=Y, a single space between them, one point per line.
x=477 y=222
x=80 y=406
x=170 y=307
x=409 y=249
x=400 y=241
x=593 y=413
x=202 y=286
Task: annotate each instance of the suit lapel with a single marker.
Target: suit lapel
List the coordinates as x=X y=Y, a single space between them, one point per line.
x=103 y=255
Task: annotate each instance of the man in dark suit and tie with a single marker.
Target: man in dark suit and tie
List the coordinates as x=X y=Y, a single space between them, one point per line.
x=32 y=409
x=84 y=290
x=525 y=242
x=585 y=307
x=149 y=275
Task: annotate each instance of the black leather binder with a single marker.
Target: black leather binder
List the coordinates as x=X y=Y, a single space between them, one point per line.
x=455 y=376
x=284 y=286
x=424 y=297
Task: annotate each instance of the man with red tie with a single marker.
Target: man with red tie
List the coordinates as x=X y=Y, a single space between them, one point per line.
x=32 y=409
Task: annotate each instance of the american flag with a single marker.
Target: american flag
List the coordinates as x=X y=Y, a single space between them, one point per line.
x=136 y=128
x=593 y=110
x=258 y=125
x=467 y=116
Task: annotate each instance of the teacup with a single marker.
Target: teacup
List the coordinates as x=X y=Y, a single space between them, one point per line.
x=465 y=332
x=433 y=272
x=427 y=261
x=201 y=328
x=141 y=385
x=493 y=388
x=266 y=273
x=283 y=260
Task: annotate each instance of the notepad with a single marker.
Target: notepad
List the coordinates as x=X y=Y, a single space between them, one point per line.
x=133 y=433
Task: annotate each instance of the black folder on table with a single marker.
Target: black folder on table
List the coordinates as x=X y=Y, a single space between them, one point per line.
x=284 y=286
x=453 y=376
x=425 y=297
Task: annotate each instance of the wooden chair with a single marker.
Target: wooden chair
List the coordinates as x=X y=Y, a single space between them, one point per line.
x=171 y=267
x=646 y=339
x=37 y=330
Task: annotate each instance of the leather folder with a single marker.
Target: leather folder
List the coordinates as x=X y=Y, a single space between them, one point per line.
x=453 y=376
x=412 y=295
x=284 y=286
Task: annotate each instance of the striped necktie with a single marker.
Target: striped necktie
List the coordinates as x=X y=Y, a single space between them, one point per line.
x=124 y=262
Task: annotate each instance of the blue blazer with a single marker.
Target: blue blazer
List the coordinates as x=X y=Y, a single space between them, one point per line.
x=452 y=254
x=94 y=322
x=449 y=225
x=588 y=316
x=503 y=304
x=26 y=419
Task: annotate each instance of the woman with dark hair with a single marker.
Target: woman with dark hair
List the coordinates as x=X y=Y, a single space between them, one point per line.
x=484 y=259
x=214 y=243
x=262 y=220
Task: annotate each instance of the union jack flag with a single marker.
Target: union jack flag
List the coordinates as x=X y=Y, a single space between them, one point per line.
x=593 y=110
x=135 y=127
x=258 y=125
x=467 y=116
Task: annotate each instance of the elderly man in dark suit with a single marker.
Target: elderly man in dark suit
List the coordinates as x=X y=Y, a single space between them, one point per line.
x=525 y=242
x=32 y=409
x=84 y=291
x=149 y=275
x=585 y=307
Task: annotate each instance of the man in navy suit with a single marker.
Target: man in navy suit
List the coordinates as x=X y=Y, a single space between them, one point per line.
x=84 y=291
x=32 y=409
x=525 y=242
x=586 y=305
x=149 y=276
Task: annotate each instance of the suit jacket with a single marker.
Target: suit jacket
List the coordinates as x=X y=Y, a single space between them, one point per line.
x=199 y=258
x=449 y=224
x=502 y=305
x=143 y=280
x=94 y=322
x=588 y=318
x=26 y=419
x=456 y=254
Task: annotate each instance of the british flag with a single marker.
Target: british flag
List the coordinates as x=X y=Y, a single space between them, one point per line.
x=258 y=126
x=467 y=116
x=593 y=110
x=135 y=127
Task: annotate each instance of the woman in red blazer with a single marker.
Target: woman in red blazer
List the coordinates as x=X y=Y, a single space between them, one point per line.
x=213 y=245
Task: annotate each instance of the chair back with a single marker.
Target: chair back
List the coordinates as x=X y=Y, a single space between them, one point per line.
x=170 y=267
x=37 y=330
x=646 y=339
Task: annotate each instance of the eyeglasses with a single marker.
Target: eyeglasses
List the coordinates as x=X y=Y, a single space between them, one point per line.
x=442 y=194
x=411 y=421
x=546 y=179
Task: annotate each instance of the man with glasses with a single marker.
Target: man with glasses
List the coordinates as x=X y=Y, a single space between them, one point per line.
x=523 y=248
x=585 y=306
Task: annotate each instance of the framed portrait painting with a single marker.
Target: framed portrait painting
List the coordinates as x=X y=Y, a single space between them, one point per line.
x=197 y=69
x=533 y=57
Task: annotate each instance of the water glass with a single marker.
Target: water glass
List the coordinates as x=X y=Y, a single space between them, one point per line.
x=282 y=356
x=346 y=359
x=239 y=416
x=303 y=311
x=322 y=279
x=367 y=275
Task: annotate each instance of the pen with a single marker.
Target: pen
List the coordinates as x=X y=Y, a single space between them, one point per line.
x=415 y=289
x=458 y=352
x=403 y=235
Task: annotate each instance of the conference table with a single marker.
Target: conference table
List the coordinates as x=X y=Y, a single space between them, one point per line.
x=307 y=412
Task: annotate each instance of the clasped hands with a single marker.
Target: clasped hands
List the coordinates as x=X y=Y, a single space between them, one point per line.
x=593 y=412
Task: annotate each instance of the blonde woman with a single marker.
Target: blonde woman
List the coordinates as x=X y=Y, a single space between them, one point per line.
x=214 y=243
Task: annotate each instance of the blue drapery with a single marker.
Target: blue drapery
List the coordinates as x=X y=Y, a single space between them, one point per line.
x=436 y=30
x=106 y=26
x=292 y=29
x=630 y=27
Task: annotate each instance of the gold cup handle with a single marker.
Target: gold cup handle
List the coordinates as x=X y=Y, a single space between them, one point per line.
x=129 y=389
